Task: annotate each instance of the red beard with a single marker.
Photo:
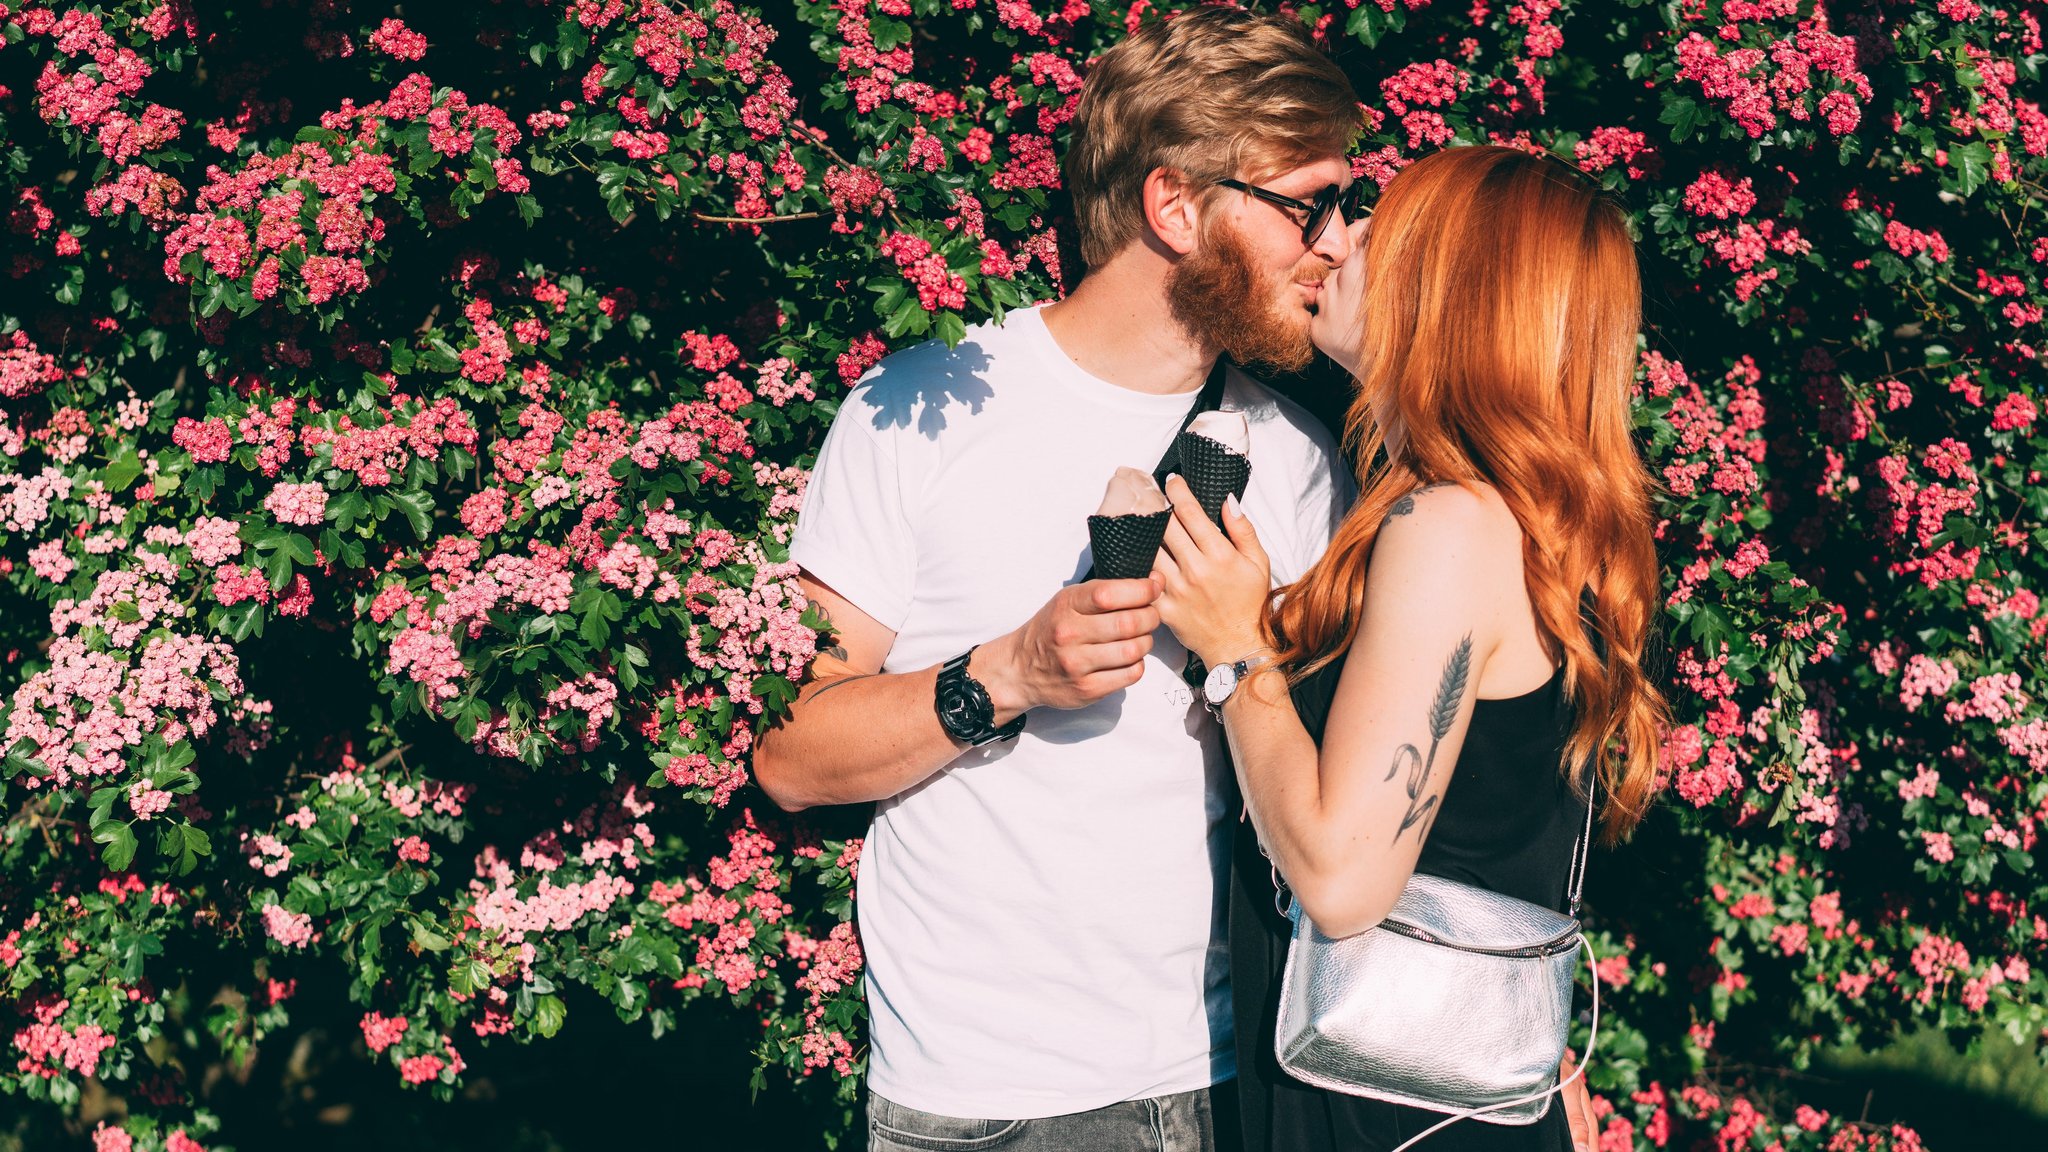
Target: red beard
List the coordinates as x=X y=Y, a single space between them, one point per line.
x=1218 y=297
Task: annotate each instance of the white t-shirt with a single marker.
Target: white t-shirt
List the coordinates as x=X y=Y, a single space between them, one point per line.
x=1044 y=918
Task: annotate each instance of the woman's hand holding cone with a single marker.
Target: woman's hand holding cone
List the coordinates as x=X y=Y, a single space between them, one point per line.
x=1216 y=582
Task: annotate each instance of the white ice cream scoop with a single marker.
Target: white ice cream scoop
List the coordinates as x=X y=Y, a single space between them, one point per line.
x=1132 y=493
x=1225 y=428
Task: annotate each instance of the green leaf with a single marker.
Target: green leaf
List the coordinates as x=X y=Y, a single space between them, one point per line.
x=279 y=569
x=120 y=845
x=595 y=629
x=1969 y=166
x=909 y=317
x=1709 y=627
x=418 y=508
x=182 y=844
x=345 y=510
x=1682 y=114
x=889 y=34
x=548 y=1014
x=469 y=976
x=123 y=471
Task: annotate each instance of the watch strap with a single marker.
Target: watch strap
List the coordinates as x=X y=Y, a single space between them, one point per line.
x=1239 y=670
x=965 y=709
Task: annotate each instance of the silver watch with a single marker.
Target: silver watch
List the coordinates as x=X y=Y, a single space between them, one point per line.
x=1223 y=680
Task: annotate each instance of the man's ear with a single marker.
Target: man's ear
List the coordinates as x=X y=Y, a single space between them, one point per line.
x=1173 y=210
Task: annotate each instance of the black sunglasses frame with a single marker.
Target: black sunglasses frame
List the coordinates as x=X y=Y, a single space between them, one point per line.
x=1328 y=200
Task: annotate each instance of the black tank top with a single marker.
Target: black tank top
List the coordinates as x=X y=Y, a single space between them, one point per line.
x=1509 y=819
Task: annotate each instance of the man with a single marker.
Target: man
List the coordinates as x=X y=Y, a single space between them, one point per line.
x=1041 y=910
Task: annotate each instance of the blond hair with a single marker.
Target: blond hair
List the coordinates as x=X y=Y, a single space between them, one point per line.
x=1211 y=94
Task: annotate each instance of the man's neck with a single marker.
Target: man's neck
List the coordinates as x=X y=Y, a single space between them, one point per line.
x=1117 y=326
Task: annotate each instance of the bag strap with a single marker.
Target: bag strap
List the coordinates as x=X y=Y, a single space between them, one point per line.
x=1208 y=400
x=1583 y=850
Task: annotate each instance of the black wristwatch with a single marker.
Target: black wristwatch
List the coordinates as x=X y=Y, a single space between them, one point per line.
x=965 y=709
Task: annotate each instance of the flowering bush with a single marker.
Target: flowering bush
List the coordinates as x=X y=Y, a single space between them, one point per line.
x=403 y=415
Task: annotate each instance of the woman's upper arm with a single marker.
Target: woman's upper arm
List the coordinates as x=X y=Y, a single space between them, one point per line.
x=1398 y=720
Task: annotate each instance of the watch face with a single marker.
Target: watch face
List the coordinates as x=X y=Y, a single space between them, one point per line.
x=964 y=713
x=1221 y=682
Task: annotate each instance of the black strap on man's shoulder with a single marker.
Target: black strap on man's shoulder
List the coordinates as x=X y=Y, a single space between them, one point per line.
x=1208 y=400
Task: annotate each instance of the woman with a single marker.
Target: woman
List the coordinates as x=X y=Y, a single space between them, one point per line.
x=1480 y=620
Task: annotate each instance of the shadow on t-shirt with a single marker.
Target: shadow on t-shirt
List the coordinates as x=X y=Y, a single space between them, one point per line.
x=931 y=375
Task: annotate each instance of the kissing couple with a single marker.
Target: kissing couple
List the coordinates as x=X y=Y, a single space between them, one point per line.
x=1115 y=817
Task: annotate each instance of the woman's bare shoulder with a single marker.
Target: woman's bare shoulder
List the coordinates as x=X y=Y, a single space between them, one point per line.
x=1472 y=514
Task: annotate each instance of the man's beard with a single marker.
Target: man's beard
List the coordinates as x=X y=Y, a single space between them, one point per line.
x=1217 y=295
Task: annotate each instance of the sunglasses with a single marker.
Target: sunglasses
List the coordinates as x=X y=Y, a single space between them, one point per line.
x=1316 y=213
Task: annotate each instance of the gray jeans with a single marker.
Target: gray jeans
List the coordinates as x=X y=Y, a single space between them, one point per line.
x=1183 y=1122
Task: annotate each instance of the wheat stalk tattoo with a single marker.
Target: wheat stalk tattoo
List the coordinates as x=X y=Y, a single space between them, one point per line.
x=1450 y=692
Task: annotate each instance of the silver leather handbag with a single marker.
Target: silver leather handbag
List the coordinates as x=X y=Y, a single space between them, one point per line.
x=1459 y=1001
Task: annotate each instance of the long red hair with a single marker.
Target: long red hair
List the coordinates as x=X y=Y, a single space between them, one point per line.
x=1502 y=304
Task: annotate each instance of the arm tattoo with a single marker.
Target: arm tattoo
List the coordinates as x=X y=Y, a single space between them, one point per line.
x=837 y=651
x=830 y=685
x=1450 y=692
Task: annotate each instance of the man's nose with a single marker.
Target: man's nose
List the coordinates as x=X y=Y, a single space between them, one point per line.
x=1335 y=244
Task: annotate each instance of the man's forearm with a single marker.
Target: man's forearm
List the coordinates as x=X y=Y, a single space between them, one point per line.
x=855 y=738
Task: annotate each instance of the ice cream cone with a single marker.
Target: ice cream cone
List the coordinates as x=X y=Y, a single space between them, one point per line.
x=1213 y=472
x=1126 y=545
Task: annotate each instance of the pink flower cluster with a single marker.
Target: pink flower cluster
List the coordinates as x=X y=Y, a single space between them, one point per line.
x=937 y=285
x=397 y=41
x=288 y=928
x=740 y=891
x=380 y=1032
x=118 y=674
x=24 y=369
x=300 y=504
x=100 y=106
x=1605 y=148
x=1757 y=84
x=332 y=260
x=48 y=1047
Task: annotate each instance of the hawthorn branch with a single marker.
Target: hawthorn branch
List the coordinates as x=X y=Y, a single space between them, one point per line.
x=1960 y=290
x=1928 y=369
x=710 y=219
x=821 y=141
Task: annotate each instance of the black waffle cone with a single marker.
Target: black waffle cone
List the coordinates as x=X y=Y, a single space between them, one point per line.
x=1126 y=545
x=1212 y=471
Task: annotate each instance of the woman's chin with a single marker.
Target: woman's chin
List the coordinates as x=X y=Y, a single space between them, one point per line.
x=1344 y=352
